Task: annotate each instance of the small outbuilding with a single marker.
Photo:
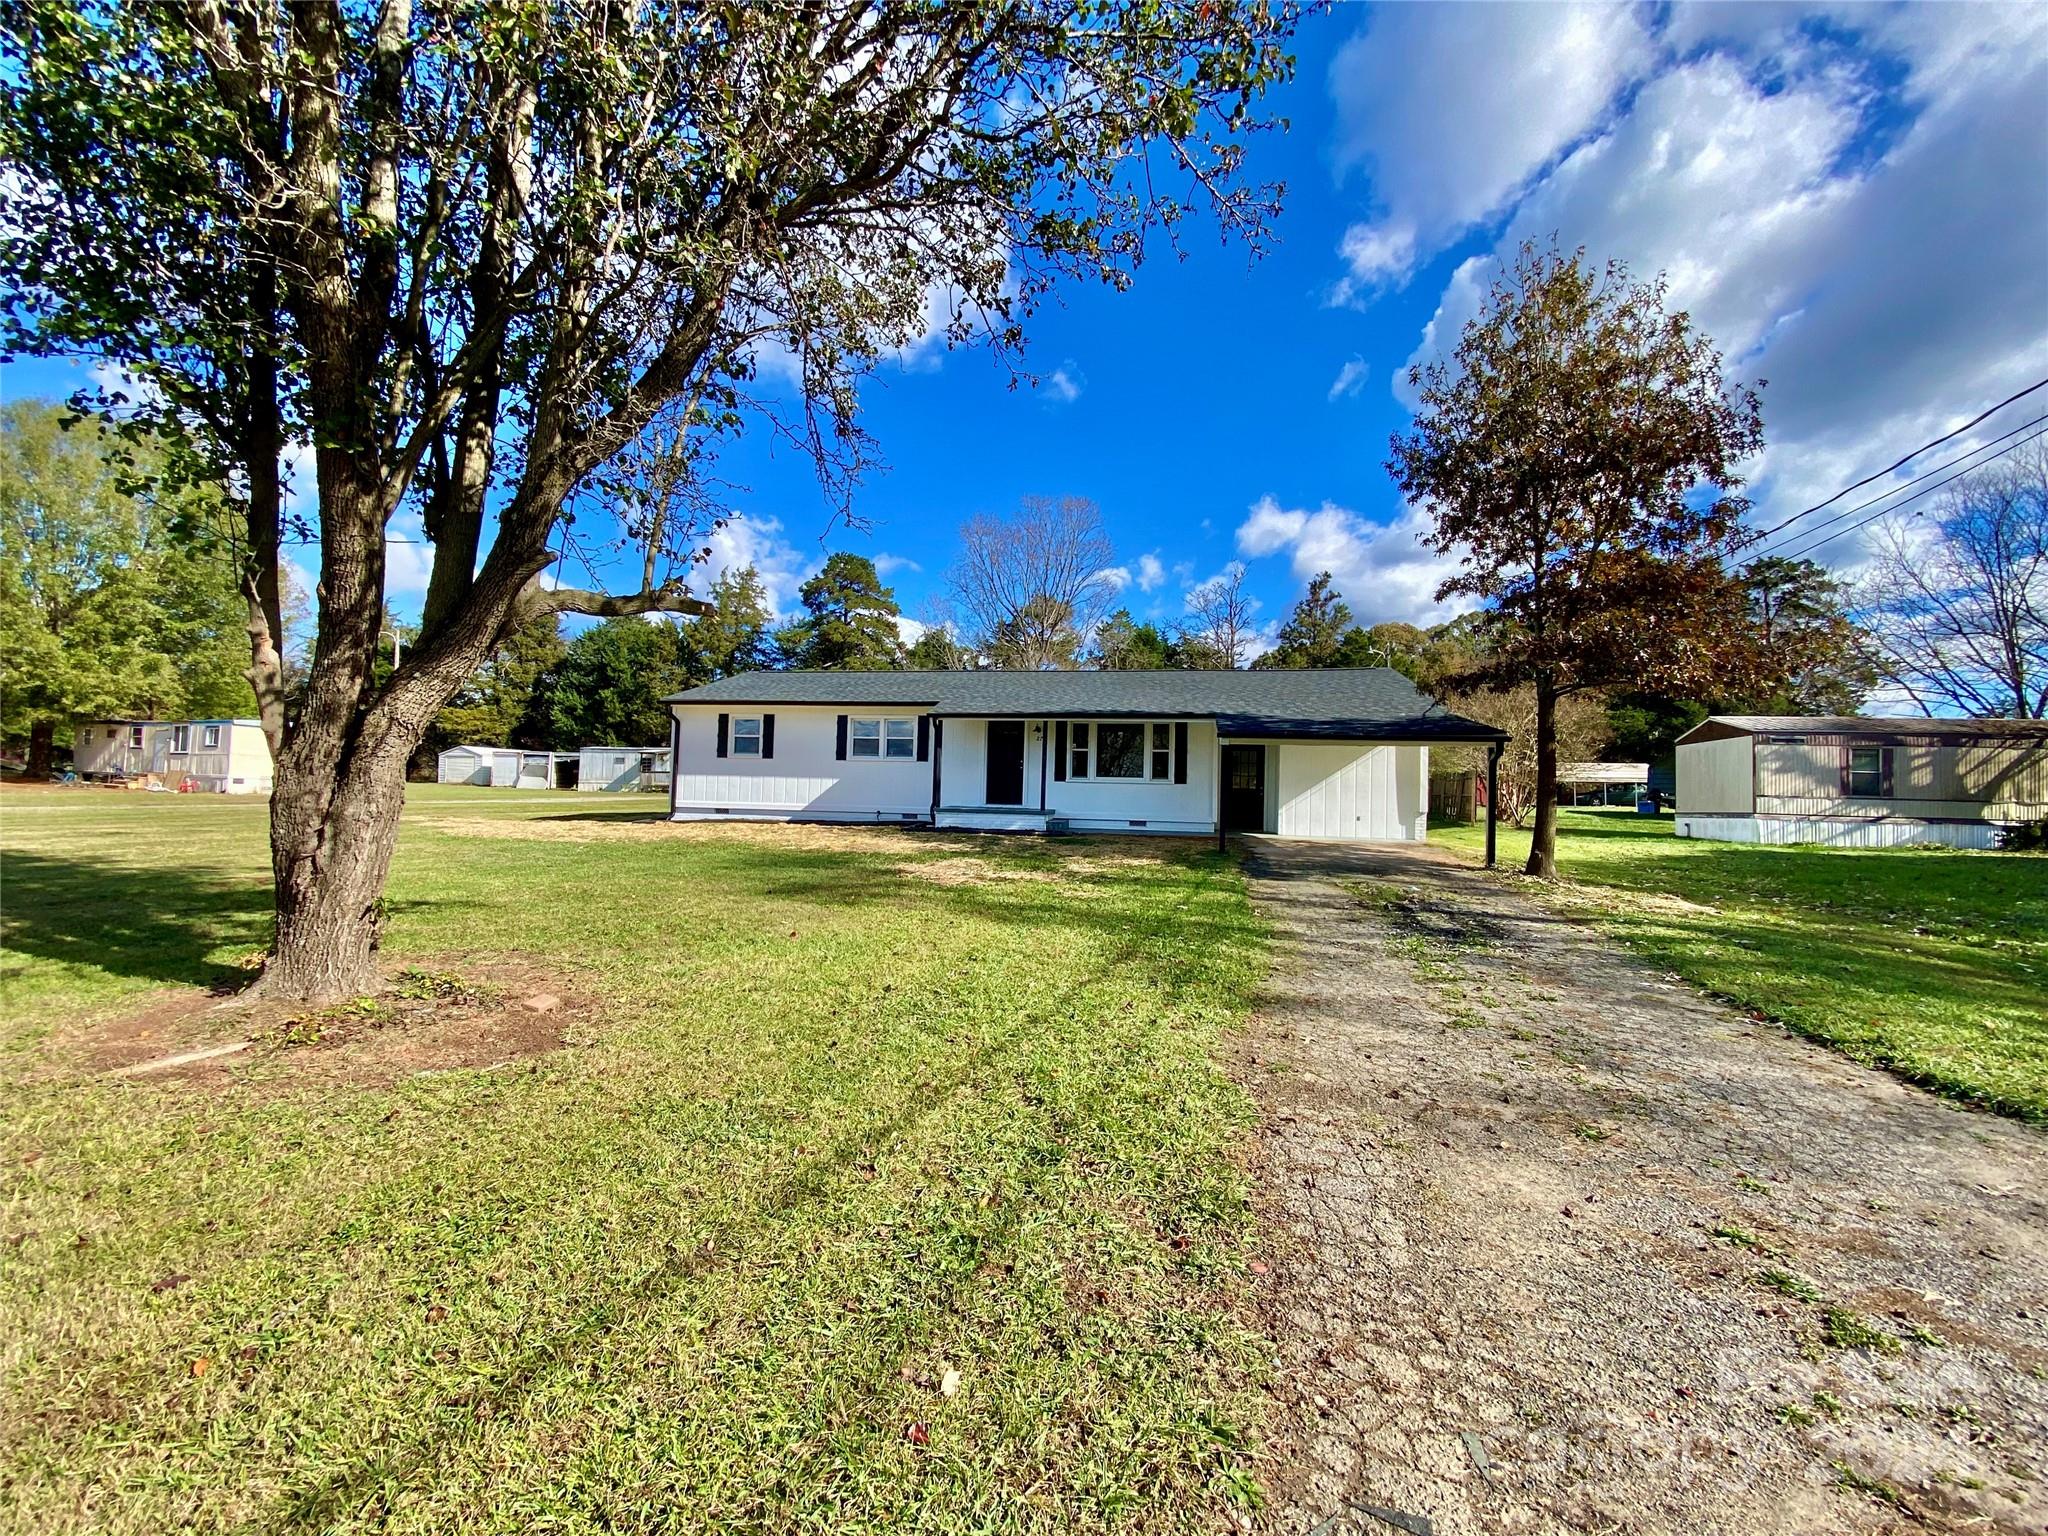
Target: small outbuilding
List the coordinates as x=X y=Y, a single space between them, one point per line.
x=499 y=767
x=230 y=757
x=1860 y=782
x=623 y=768
x=1602 y=783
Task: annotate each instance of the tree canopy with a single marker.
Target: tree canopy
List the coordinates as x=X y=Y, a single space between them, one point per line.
x=104 y=610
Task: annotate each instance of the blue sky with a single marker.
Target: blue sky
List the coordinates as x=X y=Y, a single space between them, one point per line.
x=1853 y=200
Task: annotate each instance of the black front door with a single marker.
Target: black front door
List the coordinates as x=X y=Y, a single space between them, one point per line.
x=1005 y=763
x=1244 y=789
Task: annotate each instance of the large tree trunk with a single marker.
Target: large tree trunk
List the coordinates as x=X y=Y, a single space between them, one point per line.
x=42 y=745
x=1543 y=831
x=331 y=836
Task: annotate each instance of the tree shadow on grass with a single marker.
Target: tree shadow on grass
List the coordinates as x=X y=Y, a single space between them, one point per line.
x=169 y=924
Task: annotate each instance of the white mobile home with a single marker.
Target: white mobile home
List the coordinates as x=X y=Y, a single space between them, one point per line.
x=622 y=768
x=1339 y=754
x=1860 y=783
x=217 y=756
x=498 y=767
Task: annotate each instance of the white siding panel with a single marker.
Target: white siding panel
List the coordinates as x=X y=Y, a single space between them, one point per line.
x=1891 y=832
x=1375 y=792
x=803 y=779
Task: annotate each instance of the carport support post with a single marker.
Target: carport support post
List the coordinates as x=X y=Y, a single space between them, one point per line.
x=1492 y=796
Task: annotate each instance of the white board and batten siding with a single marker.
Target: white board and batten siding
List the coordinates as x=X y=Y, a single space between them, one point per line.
x=1376 y=792
x=801 y=777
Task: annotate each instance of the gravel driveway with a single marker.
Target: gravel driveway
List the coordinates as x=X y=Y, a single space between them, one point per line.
x=1561 y=1245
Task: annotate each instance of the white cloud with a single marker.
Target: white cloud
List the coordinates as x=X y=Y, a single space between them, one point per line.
x=782 y=566
x=1383 y=570
x=911 y=630
x=889 y=565
x=1451 y=109
x=1350 y=379
x=1855 y=210
x=1115 y=577
x=408 y=560
x=1151 y=574
x=1064 y=384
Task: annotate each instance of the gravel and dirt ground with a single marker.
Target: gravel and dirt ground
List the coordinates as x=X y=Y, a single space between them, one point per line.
x=1562 y=1245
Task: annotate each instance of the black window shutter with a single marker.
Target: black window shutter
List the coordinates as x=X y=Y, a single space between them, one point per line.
x=841 y=752
x=723 y=721
x=767 y=735
x=1180 y=751
x=1059 y=750
x=924 y=738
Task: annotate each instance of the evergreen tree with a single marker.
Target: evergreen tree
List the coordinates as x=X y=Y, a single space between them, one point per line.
x=936 y=650
x=1315 y=631
x=734 y=636
x=1122 y=644
x=849 y=622
x=609 y=687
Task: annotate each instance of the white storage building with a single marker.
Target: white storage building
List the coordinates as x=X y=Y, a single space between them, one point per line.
x=498 y=767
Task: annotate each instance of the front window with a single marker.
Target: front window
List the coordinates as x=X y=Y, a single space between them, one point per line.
x=181 y=738
x=746 y=736
x=1120 y=751
x=135 y=737
x=1867 y=771
x=209 y=736
x=879 y=736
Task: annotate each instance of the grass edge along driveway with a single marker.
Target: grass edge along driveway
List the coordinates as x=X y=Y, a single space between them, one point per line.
x=1931 y=963
x=891 y=1187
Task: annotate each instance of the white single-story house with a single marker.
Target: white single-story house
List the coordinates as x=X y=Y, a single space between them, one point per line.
x=1337 y=754
x=499 y=767
x=622 y=768
x=219 y=756
x=1860 y=783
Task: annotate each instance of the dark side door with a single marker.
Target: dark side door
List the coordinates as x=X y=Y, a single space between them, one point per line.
x=1244 y=789
x=1005 y=763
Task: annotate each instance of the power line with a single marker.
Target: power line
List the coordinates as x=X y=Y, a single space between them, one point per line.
x=1894 y=490
x=1884 y=512
x=1909 y=458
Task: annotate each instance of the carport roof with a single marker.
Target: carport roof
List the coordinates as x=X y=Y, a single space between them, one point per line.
x=1336 y=704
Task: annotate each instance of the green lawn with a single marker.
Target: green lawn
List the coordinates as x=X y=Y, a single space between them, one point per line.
x=1929 y=962
x=853 y=1111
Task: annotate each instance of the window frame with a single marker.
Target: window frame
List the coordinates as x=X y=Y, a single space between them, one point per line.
x=888 y=732
x=209 y=738
x=1875 y=773
x=1155 y=751
x=181 y=741
x=135 y=738
x=740 y=735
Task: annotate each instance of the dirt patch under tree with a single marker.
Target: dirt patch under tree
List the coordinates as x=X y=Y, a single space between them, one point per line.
x=447 y=1014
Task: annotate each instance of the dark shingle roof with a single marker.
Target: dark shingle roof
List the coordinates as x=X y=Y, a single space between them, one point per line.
x=1336 y=704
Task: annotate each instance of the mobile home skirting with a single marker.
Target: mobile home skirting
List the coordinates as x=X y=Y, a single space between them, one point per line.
x=1838 y=831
